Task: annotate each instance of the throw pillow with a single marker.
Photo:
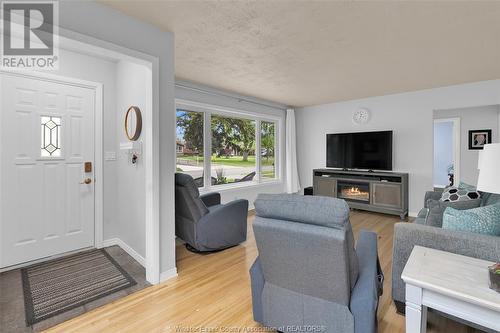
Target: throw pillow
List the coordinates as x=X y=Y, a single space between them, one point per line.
x=459 y=194
x=436 y=209
x=482 y=220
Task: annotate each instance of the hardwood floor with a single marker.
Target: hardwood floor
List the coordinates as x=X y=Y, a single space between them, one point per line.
x=212 y=292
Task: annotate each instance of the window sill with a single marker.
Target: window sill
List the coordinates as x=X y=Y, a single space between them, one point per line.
x=236 y=186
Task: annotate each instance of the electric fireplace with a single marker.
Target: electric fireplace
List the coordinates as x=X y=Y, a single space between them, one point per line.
x=382 y=192
x=351 y=190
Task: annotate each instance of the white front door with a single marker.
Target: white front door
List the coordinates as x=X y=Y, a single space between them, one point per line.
x=46 y=136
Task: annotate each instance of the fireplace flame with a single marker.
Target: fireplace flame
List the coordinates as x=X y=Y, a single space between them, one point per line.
x=355 y=193
x=354 y=190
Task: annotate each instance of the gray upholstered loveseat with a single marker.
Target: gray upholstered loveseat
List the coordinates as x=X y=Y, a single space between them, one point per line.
x=308 y=275
x=426 y=231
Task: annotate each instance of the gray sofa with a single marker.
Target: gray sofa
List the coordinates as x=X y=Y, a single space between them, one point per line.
x=308 y=272
x=203 y=222
x=426 y=231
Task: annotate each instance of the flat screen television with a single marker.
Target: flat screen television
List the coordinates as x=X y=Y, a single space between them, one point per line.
x=363 y=150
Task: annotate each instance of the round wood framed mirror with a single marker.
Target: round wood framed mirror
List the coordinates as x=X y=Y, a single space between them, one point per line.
x=133 y=123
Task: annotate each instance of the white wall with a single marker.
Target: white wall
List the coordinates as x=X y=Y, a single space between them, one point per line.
x=89 y=68
x=218 y=98
x=409 y=115
x=103 y=23
x=474 y=118
x=130 y=226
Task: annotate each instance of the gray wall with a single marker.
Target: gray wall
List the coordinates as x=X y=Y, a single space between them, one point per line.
x=410 y=115
x=101 y=22
x=218 y=99
x=475 y=118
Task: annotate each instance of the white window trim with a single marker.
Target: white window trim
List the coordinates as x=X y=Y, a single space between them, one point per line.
x=236 y=186
x=208 y=110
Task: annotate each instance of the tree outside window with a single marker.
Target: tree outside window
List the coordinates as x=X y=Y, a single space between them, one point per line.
x=233 y=150
x=189 y=144
x=268 y=144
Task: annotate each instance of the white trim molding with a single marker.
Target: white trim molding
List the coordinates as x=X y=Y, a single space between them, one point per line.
x=125 y=247
x=167 y=275
x=152 y=160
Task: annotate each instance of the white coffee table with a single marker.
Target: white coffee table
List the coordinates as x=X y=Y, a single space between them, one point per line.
x=451 y=283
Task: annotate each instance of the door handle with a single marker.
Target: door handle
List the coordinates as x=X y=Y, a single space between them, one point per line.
x=86 y=181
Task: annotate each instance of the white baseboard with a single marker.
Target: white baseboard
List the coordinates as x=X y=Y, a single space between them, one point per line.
x=125 y=247
x=171 y=273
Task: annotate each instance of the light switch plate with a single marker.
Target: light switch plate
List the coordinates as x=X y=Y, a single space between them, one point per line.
x=110 y=156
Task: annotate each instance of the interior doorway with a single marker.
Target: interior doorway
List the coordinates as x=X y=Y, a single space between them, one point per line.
x=446 y=152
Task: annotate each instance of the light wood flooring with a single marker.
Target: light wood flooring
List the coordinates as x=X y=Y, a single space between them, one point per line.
x=212 y=293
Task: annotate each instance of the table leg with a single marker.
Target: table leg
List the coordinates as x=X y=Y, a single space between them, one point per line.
x=416 y=313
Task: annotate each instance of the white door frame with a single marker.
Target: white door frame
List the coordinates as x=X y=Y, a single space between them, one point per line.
x=98 y=145
x=456 y=146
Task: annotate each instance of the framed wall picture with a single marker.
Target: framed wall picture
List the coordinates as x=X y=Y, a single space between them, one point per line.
x=478 y=138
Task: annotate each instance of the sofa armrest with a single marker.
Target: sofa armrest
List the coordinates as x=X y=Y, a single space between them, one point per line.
x=210 y=199
x=434 y=195
x=421 y=216
x=364 y=296
x=257 y=283
x=407 y=235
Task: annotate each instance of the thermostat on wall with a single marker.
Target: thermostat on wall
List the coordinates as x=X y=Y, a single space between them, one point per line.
x=361 y=116
x=133 y=149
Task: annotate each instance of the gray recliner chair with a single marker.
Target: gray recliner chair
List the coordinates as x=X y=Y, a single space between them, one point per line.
x=308 y=275
x=203 y=222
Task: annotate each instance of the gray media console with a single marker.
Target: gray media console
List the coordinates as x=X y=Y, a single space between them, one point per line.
x=382 y=192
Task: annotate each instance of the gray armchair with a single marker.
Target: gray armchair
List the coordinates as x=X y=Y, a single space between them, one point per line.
x=203 y=222
x=308 y=273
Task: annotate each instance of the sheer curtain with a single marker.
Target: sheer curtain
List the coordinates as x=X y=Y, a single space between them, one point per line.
x=292 y=175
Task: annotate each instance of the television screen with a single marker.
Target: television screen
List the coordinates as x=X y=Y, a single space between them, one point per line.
x=364 y=150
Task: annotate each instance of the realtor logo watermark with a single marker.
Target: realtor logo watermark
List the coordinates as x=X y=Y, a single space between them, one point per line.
x=30 y=35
